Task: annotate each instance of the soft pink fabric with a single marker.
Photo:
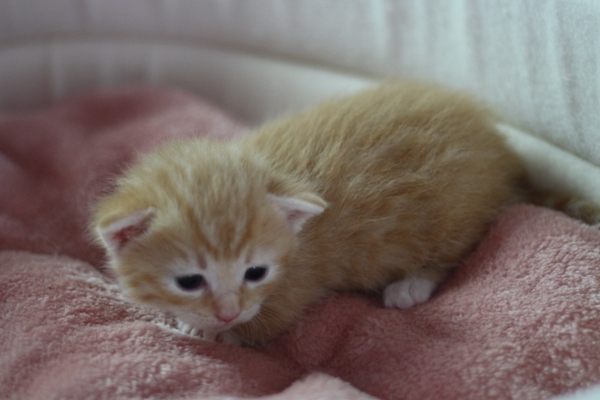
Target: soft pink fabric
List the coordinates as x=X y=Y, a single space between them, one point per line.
x=521 y=318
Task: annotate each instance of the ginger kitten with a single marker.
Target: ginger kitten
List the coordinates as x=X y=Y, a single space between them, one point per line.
x=385 y=190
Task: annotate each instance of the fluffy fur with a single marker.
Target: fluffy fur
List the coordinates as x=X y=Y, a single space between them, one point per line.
x=385 y=191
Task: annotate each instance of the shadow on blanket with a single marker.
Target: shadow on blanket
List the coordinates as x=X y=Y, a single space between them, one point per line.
x=520 y=320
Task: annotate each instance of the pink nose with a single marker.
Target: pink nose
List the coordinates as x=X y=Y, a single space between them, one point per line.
x=227 y=306
x=227 y=318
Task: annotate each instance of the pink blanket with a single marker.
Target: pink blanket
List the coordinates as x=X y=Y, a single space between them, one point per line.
x=521 y=318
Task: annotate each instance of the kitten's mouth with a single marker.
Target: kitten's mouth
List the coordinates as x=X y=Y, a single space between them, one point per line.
x=214 y=323
x=244 y=316
x=225 y=326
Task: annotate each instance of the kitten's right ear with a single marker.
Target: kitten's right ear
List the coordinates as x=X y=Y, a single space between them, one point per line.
x=299 y=209
x=117 y=234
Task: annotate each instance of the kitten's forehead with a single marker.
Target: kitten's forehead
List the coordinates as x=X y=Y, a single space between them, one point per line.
x=218 y=205
x=223 y=237
x=206 y=261
x=234 y=231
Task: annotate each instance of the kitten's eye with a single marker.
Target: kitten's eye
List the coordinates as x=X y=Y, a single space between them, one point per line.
x=190 y=282
x=255 y=274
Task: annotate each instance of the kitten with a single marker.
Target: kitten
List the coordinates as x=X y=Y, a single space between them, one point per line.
x=385 y=190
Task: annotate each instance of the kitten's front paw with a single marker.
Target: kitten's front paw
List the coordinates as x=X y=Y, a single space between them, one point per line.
x=219 y=337
x=188 y=329
x=408 y=292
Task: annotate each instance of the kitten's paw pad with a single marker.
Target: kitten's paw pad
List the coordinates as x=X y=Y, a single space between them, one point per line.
x=408 y=292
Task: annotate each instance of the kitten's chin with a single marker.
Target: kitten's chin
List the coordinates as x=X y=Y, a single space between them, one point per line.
x=213 y=324
x=200 y=322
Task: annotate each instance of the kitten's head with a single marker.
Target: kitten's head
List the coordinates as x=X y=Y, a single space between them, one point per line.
x=208 y=242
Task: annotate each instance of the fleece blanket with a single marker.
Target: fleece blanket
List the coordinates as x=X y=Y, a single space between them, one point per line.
x=520 y=319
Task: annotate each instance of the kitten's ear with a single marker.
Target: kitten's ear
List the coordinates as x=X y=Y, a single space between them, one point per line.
x=299 y=209
x=117 y=234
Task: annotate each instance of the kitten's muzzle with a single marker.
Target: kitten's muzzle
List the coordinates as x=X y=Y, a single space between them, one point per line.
x=227 y=318
x=227 y=307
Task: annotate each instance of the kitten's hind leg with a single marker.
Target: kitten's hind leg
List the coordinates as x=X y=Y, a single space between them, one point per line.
x=414 y=289
x=408 y=292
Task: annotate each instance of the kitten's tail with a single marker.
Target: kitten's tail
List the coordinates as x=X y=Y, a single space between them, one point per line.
x=571 y=204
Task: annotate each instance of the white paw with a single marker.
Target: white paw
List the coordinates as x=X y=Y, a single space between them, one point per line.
x=219 y=337
x=187 y=328
x=408 y=292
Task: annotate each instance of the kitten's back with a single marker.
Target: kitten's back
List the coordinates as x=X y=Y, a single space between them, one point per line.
x=413 y=175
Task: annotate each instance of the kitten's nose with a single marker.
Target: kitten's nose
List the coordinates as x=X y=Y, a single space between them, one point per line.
x=227 y=318
x=227 y=307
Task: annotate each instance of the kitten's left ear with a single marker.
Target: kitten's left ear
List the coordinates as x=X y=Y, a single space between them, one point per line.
x=299 y=209
x=119 y=233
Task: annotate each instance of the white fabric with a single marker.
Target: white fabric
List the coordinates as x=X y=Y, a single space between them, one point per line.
x=538 y=62
x=251 y=88
x=592 y=393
